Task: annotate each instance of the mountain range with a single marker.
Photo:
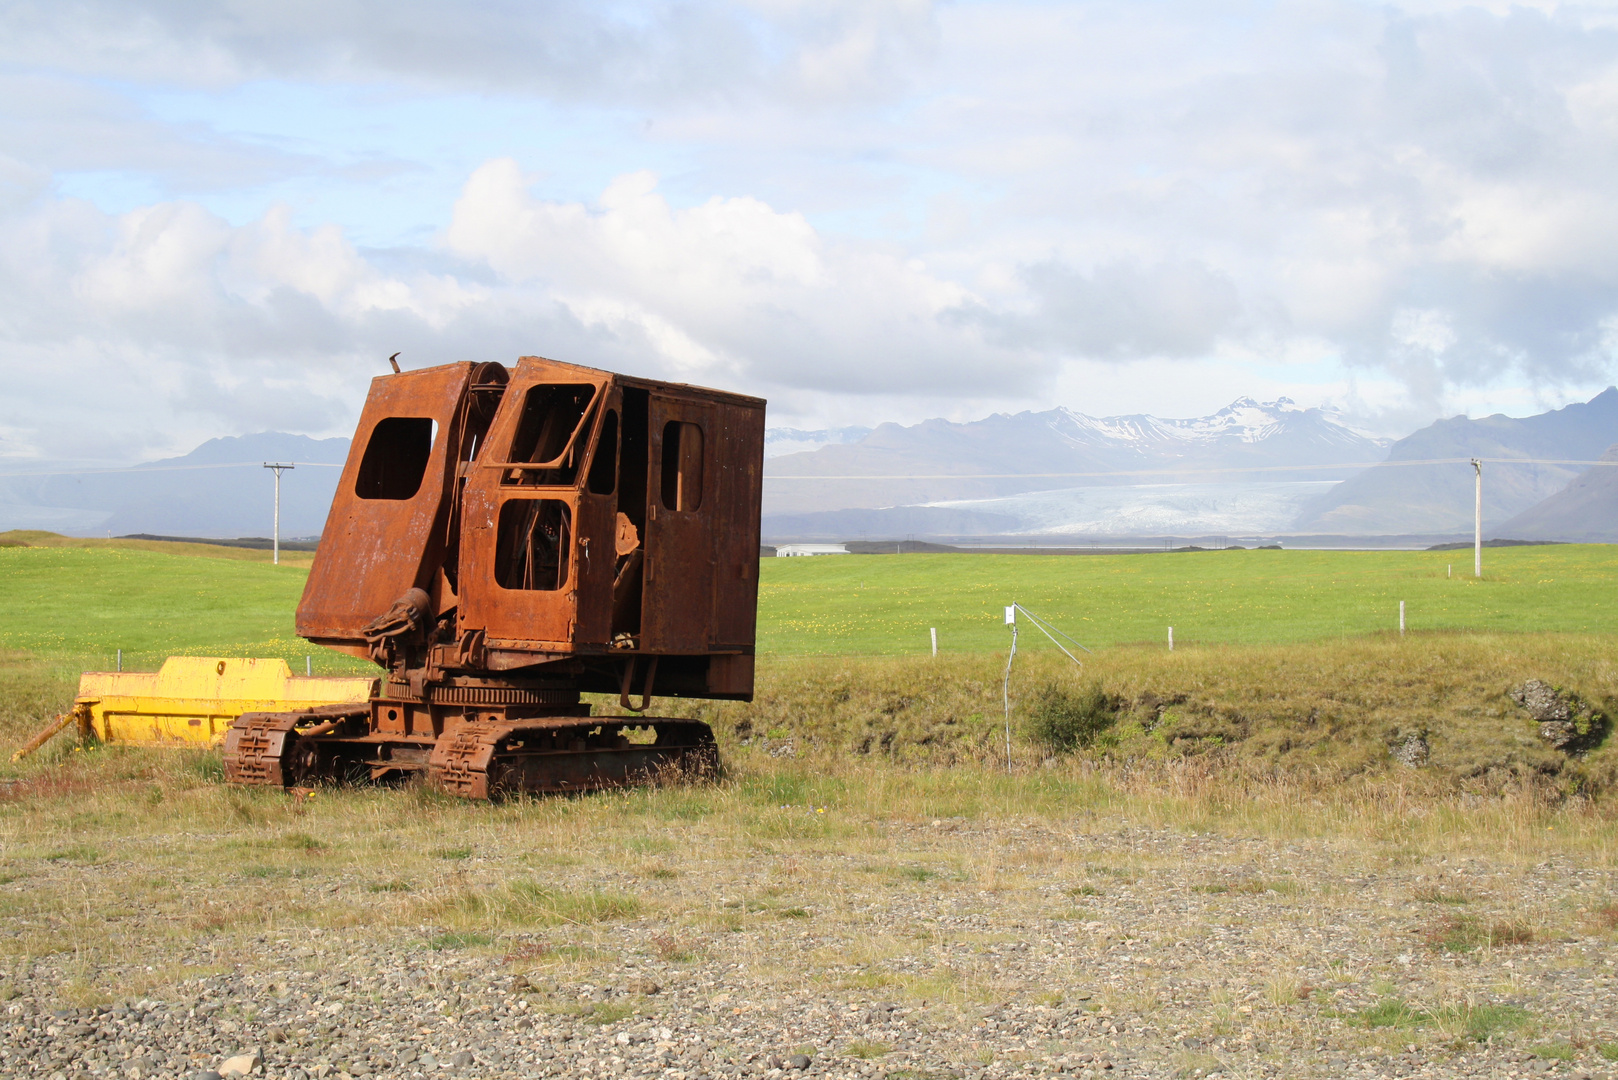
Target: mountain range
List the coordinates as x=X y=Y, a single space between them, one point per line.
x=1439 y=498
x=939 y=461
x=219 y=489
x=1585 y=510
x=1257 y=469
x=1252 y=469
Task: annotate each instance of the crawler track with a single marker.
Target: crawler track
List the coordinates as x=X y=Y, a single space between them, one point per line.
x=475 y=760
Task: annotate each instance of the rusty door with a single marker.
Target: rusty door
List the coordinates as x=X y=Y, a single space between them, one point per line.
x=522 y=516
x=677 y=615
x=738 y=453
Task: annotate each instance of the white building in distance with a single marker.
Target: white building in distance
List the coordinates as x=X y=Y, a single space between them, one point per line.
x=783 y=551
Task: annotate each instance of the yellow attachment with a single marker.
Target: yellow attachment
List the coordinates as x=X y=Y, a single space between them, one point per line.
x=193 y=699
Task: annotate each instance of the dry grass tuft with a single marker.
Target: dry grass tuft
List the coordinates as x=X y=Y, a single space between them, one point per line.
x=671 y=949
x=529 y=903
x=1463 y=933
x=1437 y=894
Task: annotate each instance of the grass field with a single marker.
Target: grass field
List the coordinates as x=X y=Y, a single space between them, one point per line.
x=81 y=603
x=884 y=604
x=1283 y=659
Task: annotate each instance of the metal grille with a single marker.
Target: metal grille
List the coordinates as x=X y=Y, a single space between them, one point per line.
x=501 y=695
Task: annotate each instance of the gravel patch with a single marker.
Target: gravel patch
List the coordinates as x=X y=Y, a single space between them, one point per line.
x=926 y=950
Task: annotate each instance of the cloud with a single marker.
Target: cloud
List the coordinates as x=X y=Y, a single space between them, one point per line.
x=1117 y=312
x=946 y=205
x=168 y=321
x=732 y=289
x=58 y=124
x=811 y=50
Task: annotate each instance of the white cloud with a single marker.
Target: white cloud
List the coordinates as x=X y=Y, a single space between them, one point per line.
x=874 y=206
x=644 y=53
x=733 y=289
x=171 y=323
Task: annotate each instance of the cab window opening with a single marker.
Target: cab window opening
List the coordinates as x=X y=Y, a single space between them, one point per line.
x=534 y=544
x=553 y=416
x=682 y=466
x=396 y=457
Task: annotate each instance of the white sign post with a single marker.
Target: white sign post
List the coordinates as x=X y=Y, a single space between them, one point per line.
x=1005 y=687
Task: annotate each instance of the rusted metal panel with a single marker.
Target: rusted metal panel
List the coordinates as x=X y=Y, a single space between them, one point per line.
x=387 y=530
x=738 y=478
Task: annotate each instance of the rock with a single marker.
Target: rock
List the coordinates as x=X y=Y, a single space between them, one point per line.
x=460 y=1059
x=205 y=1074
x=242 y=1064
x=1565 y=722
x=1558 y=733
x=1412 y=752
x=798 y=1061
x=1542 y=700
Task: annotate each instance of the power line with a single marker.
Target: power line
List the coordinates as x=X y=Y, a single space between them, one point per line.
x=127 y=470
x=1194 y=472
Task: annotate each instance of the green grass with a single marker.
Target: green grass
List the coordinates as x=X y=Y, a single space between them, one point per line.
x=84 y=604
x=528 y=903
x=1476 y=1022
x=153 y=600
x=862 y=604
x=866 y=1049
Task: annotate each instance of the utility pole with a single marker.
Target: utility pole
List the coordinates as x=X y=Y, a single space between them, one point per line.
x=278 y=467
x=1477 y=522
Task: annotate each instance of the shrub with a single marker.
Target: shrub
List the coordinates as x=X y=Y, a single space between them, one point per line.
x=1065 y=721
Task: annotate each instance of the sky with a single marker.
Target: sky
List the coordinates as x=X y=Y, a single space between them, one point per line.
x=221 y=216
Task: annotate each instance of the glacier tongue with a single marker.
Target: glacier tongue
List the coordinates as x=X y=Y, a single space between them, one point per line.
x=1259 y=508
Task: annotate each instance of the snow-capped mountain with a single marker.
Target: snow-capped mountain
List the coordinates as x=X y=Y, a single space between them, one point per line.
x=1243 y=420
x=938 y=461
x=778 y=441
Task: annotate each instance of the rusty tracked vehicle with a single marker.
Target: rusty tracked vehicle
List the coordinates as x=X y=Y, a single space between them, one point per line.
x=503 y=541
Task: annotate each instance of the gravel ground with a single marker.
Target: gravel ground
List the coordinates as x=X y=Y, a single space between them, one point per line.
x=950 y=948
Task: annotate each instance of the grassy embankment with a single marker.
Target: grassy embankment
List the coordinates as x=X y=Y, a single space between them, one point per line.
x=1285 y=661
